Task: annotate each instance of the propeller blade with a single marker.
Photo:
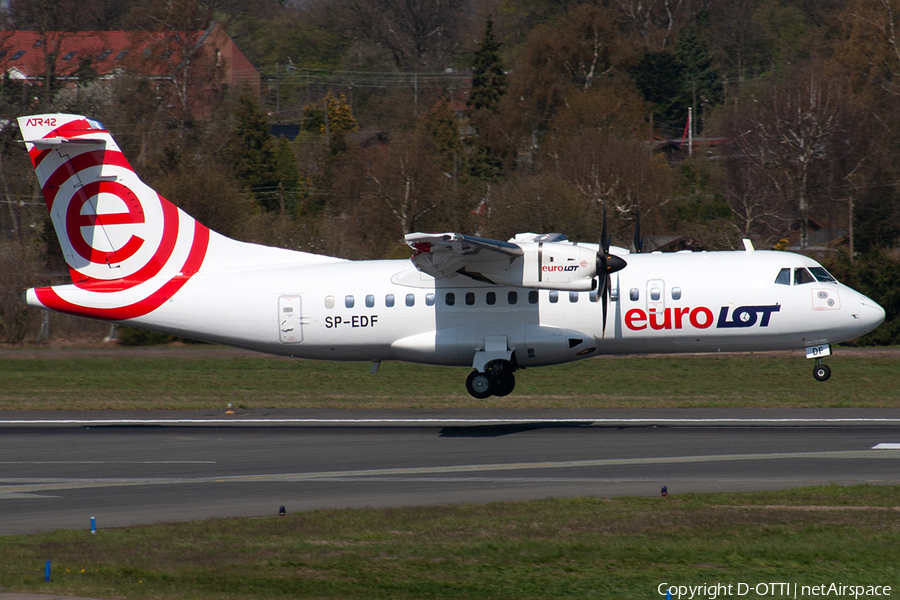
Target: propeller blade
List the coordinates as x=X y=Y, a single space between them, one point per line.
x=602 y=254
x=604 y=236
x=606 y=265
x=605 y=299
x=613 y=263
x=638 y=236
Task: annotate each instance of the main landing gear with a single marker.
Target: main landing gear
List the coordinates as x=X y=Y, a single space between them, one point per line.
x=497 y=380
x=821 y=371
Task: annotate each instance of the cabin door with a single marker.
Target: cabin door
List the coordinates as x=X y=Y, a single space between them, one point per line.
x=290 y=328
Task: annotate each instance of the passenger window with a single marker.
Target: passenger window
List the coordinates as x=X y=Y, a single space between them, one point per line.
x=450 y=299
x=512 y=297
x=329 y=301
x=634 y=294
x=349 y=301
x=533 y=297
x=822 y=275
x=389 y=300
x=429 y=299
x=654 y=294
x=370 y=301
x=554 y=296
x=470 y=298
x=784 y=277
x=410 y=299
x=491 y=298
x=573 y=297
x=802 y=276
x=676 y=293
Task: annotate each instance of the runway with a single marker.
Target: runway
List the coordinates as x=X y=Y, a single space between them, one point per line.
x=59 y=469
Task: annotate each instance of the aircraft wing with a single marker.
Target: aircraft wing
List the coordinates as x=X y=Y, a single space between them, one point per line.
x=444 y=255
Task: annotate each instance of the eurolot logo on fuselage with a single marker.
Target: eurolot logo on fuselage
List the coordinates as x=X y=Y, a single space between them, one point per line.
x=558 y=268
x=700 y=317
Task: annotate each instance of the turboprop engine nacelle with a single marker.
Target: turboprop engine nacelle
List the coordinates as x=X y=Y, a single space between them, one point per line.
x=554 y=266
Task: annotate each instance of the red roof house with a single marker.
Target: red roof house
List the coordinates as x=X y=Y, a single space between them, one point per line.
x=207 y=58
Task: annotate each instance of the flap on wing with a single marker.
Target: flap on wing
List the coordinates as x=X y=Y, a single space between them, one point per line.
x=444 y=255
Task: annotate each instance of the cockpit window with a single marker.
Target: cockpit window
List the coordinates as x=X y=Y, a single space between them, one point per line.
x=802 y=276
x=821 y=275
x=784 y=277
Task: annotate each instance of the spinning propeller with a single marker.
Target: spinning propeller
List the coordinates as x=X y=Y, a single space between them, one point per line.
x=638 y=240
x=607 y=264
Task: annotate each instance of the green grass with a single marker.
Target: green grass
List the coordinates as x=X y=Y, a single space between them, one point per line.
x=199 y=379
x=575 y=548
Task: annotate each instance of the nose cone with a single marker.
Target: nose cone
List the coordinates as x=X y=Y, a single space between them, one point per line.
x=871 y=315
x=614 y=263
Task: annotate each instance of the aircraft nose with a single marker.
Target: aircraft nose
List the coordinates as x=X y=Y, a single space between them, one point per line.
x=871 y=314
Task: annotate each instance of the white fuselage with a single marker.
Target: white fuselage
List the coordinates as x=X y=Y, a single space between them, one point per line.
x=661 y=303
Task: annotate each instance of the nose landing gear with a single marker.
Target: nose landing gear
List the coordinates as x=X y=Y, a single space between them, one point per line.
x=496 y=380
x=821 y=371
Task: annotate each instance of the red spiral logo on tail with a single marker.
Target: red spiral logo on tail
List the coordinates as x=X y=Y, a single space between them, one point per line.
x=127 y=247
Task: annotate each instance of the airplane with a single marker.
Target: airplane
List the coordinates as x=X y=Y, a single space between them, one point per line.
x=494 y=306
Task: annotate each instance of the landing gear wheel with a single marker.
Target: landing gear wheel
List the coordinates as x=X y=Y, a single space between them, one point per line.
x=503 y=384
x=479 y=385
x=822 y=372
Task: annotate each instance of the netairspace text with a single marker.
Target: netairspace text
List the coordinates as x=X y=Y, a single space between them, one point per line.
x=711 y=591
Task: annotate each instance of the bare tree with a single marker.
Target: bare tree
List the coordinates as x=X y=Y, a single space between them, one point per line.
x=20 y=263
x=872 y=47
x=619 y=174
x=421 y=36
x=736 y=37
x=177 y=30
x=757 y=210
x=406 y=179
x=654 y=20
x=797 y=137
x=580 y=51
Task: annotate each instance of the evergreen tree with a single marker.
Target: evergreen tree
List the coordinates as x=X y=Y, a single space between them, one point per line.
x=288 y=176
x=488 y=78
x=259 y=164
x=659 y=76
x=313 y=118
x=340 y=115
x=442 y=127
x=701 y=83
x=674 y=80
x=340 y=120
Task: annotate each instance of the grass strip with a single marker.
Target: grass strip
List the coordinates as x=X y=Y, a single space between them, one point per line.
x=573 y=548
x=194 y=379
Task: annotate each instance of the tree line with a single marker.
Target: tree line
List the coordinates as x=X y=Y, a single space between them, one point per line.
x=549 y=114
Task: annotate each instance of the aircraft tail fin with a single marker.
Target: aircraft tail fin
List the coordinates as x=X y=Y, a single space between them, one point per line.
x=126 y=245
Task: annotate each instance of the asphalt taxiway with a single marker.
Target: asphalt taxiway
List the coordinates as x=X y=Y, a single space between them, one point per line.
x=58 y=469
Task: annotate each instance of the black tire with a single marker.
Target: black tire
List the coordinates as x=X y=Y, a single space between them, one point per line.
x=504 y=383
x=479 y=385
x=822 y=372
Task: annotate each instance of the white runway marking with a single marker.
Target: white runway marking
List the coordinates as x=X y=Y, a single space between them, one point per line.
x=452 y=421
x=107 y=462
x=886 y=446
x=18 y=487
